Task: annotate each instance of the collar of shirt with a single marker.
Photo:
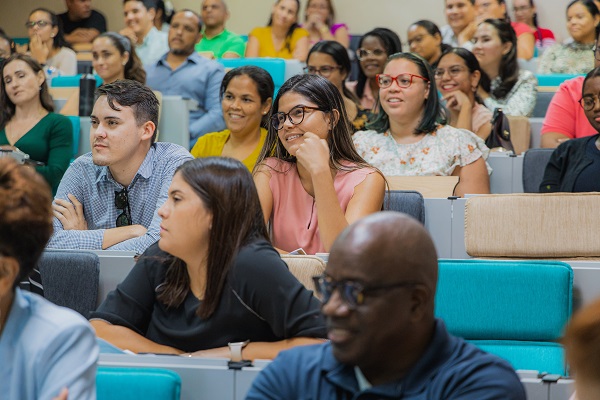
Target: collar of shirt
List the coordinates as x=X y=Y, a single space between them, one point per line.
x=16 y=317
x=145 y=170
x=193 y=58
x=204 y=37
x=149 y=36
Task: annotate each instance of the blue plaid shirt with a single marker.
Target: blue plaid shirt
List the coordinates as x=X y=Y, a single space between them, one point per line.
x=95 y=188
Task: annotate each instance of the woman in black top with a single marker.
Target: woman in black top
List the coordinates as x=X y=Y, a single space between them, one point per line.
x=575 y=165
x=213 y=278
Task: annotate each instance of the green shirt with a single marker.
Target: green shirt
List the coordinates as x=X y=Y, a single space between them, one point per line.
x=50 y=141
x=224 y=42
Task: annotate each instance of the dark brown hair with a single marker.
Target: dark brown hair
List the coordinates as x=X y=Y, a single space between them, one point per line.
x=134 y=69
x=7 y=107
x=25 y=215
x=226 y=189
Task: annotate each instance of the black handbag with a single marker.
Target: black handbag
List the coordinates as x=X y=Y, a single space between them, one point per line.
x=500 y=135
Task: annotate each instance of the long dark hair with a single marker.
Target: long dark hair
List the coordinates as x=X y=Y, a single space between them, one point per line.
x=134 y=69
x=217 y=181
x=7 y=107
x=59 y=39
x=261 y=78
x=392 y=45
x=433 y=112
x=290 y=32
x=509 y=67
x=471 y=63
x=327 y=97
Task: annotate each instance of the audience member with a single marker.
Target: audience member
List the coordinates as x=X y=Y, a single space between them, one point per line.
x=150 y=43
x=218 y=42
x=80 y=23
x=45 y=350
x=27 y=120
x=526 y=13
x=373 y=50
x=378 y=295
x=282 y=37
x=163 y=16
x=575 y=164
x=206 y=288
x=574 y=57
x=108 y=198
x=425 y=39
x=185 y=73
x=319 y=19
x=461 y=27
x=246 y=96
x=503 y=84
x=407 y=138
x=457 y=77
x=47 y=44
x=565 y=118
x=7 y=46
x=311 y=182
x=496 y=9
x=330 y=59
x=113 y=58
x=582 y=352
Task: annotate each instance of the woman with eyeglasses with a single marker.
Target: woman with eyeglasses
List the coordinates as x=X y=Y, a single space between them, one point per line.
x=27 y=120
x=213 y=286
x=409 y=136
x=113 y=58
x=282 y=37
x=310 y=180
x=457 y=77
x=503 y=85
x=373 y=50
x=330 y=60
x=320 y=16
x=47 y=44
x=574 y=57
x=526 y=13
x=246 y=95
x=575 y=164
x=425 y=39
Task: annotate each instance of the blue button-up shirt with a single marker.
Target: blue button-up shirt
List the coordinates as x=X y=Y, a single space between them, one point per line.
x=95 y=188
x=197 y=78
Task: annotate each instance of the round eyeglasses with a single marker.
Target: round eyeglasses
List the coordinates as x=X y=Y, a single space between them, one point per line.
x=453 y=71
x=588 y=102
x=325 y=71
x=403 y=80
x=295 y=116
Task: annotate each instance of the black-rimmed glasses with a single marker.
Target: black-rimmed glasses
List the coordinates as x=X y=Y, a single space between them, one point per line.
x=403 y=80
x=122 y=203
x=295 y=116
x=324 y=71
x=353 y=293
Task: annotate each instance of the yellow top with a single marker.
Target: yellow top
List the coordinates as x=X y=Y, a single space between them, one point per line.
x=212 y=144
x=267 y=48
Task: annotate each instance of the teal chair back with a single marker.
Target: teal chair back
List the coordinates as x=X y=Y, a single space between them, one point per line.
x=515 y=309
x=76 y=134
x=553 y=79
x=274 y=66
x=123 y=383
x=70 y=81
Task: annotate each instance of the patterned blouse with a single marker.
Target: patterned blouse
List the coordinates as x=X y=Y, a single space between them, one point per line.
x=572 y=58
x=521 y=98
x=438 y=153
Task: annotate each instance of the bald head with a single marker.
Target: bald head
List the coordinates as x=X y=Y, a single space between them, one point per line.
x=390 y=246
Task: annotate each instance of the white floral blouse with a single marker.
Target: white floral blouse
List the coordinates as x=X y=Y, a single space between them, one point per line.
x=520 y=101
x=438 y=153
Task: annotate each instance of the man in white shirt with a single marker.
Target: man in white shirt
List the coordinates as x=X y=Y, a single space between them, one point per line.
x=150 y=43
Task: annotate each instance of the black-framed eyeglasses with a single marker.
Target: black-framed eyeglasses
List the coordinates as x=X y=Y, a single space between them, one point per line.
x=353 y=293
x=403 y=80
x=41 y=23
x=324 y=71
x=295 y=116
x=453 y=71
x=122 y=203
x=364 y=53
x=588 y=102
x=596 y=51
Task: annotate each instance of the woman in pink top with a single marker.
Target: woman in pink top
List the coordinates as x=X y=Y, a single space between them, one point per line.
x=320 y=16
x=310 y=180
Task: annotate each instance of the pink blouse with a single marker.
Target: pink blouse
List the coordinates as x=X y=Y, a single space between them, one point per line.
x=293 y=219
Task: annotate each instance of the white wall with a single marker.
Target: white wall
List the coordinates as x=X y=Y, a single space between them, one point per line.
x=360 y=15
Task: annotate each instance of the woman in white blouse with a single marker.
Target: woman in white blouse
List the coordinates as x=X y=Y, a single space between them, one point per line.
x=409 y=136
x=503 y=84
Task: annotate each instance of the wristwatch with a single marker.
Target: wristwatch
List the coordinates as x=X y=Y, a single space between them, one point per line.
x=236 y=350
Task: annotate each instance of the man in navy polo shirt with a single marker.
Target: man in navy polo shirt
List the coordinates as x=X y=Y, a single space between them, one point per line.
x=385 y=343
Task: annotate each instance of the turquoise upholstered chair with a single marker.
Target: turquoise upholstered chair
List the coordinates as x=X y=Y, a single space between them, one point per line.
x=71 y=81
x=275 y=67
x=116 y=383
x=76 y=134
x=553 y=79
x=514 y=309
